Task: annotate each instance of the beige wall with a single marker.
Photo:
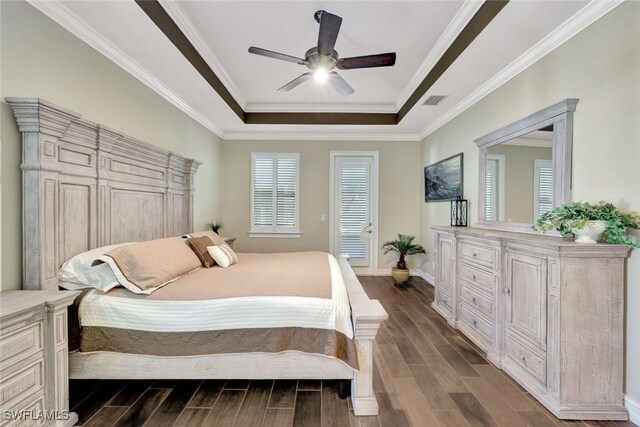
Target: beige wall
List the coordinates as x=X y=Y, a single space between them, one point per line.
x=519 y=179
x=41 y=59
x=600 y=66
x=400 y=191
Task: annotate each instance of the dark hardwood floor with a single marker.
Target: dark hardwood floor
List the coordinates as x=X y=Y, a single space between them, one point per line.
x=426 y=374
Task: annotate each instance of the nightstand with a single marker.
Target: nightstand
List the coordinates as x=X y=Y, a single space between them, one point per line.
x=229 y=241
x=34 y=357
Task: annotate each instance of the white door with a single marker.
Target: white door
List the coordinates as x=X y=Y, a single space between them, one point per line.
x=354 y=205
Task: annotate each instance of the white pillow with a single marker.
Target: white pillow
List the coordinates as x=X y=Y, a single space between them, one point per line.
x=77 y=272
x=223 y=255
x=71 y=286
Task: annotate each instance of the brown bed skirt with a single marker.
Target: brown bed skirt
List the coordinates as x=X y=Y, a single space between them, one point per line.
x=265 y=340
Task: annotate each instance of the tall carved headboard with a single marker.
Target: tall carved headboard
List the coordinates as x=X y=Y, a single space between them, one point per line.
x=85 y=185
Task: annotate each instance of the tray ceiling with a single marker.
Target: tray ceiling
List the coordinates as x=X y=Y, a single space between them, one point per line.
x=419 y=31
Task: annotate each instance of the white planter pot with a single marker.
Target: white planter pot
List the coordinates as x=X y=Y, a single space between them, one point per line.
x=591 y=232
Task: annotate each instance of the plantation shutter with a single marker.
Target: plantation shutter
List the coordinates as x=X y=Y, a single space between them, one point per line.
x=274 y=198
x=263 y=192
x=490 y=189
x=354 y=213
x=543 y=187
x=286 y=183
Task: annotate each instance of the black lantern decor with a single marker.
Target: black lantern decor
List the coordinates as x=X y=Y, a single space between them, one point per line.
x=459 y=212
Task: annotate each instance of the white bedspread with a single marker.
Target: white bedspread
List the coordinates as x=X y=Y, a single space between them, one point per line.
x=98 y=309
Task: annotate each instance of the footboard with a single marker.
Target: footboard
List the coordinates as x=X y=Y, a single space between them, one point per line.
x=367 y=314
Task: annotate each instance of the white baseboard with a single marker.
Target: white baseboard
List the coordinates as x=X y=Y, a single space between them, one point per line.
x=426 y=276
x=634 y=410
x=412 y=272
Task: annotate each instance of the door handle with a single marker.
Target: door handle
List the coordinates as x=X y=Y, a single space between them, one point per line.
x=367 y=229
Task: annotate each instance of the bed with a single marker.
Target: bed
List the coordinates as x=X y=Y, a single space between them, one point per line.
x=86 y=186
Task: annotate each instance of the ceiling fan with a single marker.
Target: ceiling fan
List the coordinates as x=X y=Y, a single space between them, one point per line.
x=322 y=59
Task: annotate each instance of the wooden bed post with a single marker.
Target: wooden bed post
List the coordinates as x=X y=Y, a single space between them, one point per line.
x=366 y=314
x=362 y=396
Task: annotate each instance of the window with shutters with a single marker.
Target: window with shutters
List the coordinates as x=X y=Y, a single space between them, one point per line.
x=494 y=188
x=275 y=182
x=354 y=209
x=543 y=187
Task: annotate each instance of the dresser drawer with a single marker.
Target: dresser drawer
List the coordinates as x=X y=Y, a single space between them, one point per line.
x=478 y=255
x=480 y=278
x=30 y=408
x=532 y=362
x=476 y=299
x=22 y=383
x=476 y=322
x=20 y=344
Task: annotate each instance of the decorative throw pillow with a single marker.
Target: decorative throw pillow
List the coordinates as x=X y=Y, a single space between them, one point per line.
x=223 y=255
x=199 y=246
x=144 y=267
x=215 y=237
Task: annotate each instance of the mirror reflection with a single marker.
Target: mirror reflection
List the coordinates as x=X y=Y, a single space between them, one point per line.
x=519 y=178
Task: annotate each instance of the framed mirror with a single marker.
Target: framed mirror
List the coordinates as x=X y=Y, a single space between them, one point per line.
x=525 y=168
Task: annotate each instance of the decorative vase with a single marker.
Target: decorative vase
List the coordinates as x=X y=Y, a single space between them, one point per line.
x=590 y=232
x=400 y=275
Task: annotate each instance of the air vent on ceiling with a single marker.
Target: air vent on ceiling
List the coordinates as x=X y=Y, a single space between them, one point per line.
x=434 y=99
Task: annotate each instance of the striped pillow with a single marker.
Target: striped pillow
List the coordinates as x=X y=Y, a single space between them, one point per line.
x=223 y=255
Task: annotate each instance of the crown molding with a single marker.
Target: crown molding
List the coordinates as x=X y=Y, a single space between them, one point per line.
x=179 y=16
x=284 y=135
x=467 y=11
x=59 y=13
x=593 y=11
x=321 y=108
x=586 y=16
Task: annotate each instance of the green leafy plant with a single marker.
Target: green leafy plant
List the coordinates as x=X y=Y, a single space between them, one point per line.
x=403 y=246
x=570 y=216
x=215 y=226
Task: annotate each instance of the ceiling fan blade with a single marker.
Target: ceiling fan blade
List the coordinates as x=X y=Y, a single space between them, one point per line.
x=276 y=55
x=329 y=28
x=339 y=84
x=368 y=61
x=296 y=82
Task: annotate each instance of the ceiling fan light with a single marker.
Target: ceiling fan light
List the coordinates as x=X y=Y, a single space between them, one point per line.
x=321 y=75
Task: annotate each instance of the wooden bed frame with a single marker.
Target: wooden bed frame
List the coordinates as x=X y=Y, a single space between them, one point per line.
x=86 y=186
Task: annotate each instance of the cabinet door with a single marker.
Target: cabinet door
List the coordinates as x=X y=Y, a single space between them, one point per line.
x=445 y=263
x=445 y=275
x=526 y=295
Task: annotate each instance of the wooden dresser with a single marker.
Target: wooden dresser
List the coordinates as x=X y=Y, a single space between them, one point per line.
x=548 y=311
x=34 y=367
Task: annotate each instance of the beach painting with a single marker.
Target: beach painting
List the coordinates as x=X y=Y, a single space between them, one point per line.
x=443 y=180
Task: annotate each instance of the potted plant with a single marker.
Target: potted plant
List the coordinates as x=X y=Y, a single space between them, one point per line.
x=403 y=246
x=215 y=226
x=589 y=222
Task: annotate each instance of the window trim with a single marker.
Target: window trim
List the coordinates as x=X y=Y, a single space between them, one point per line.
x=500 y=160
x=274 y=230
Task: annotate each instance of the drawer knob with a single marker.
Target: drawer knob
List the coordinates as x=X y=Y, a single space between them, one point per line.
x=507 y=291
x=474 y=277
x=473 y=299
x=524 y=359
x=475 y=323
x=475 y=254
